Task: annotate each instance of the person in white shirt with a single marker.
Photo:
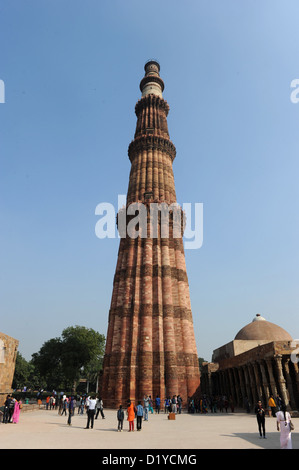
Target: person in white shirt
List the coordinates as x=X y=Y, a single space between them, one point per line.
x=91 y=404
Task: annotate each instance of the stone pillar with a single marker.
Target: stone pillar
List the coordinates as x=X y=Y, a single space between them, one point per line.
x=251 y=397
x=258 y=382
x=242 y=385
x=237 y=386
x=226 y=382
x=281 y=380
x=273 y=386
x=289 y=384
x=209 y=382
x=296 y=369
x=264 y=380
x=255 y=395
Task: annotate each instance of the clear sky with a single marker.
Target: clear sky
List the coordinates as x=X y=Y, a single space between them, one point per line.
x=71 y=71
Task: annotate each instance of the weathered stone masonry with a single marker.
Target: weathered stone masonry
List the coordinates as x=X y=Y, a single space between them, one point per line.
x=150 y=346
x=8 y=355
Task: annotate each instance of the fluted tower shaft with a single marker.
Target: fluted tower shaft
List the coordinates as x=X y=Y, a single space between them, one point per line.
x=150 y=346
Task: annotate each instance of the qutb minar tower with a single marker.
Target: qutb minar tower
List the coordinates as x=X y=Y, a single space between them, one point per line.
x=150 y=346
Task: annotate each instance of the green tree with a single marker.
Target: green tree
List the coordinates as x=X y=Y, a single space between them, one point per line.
x=82 y=347
x=25 y=374
x=22 y=372
x=61 y=361
x=48 y=363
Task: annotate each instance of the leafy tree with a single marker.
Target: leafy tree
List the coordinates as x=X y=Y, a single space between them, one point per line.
x=81 y=347
x=48 y=363
x=63 y=360
x=25 y=374
x=22 y=371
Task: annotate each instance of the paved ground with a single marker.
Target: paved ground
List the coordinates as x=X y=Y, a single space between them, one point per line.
x=45 y=429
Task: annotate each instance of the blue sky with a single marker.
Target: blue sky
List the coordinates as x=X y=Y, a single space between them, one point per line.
x=72 y=71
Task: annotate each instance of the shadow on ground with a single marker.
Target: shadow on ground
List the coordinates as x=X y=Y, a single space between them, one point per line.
x=272 y=441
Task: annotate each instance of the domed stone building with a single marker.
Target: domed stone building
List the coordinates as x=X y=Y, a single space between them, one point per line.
x=259 y=362
x=261 y=330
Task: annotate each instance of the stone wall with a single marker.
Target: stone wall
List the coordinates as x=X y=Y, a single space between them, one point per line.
x=8 y=354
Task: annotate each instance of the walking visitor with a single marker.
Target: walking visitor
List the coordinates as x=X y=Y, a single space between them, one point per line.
x=285 y=426
x=99 y=408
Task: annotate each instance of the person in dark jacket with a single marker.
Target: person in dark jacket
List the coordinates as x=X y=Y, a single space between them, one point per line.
x=260 y=416
x=120 y=418
x=6 y=412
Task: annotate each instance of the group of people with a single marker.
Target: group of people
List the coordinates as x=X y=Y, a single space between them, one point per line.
x=213 y=403
x=141 y=411
x=11 y=410
x=93 y=405
x=283 y=420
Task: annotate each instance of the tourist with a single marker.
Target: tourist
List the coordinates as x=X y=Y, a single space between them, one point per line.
x=225 y=404
x=260 y=416
x=231 y=404
x=64 y=406
x=179 y=403
x=16 y=412
x=169 y=405
x=11 y=409
x=6 y=409
x=99 y=408
x=131 y=415
x=146 y=407
x=158 y=404
x=139 y=414
x=284 y=424
x=91 y=406
x=205 y=405
x=166 y=405
x=47 y=402
x=247 y=405
x=150 y=407
x=81 y=405
x=120 y=418
x=272 y=406
x=71 y=409
x=173 y=404
x=279 y=402
x=190 y=405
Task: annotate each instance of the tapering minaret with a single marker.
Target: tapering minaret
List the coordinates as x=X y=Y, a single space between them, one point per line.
x=150 y=345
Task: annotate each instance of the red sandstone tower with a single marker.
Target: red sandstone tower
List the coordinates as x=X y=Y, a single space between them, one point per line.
x=150 y=347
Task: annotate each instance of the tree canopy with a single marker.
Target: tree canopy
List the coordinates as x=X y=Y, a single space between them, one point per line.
x=64 y=360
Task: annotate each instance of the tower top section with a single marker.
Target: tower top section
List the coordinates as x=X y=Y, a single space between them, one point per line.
x=152 y=83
